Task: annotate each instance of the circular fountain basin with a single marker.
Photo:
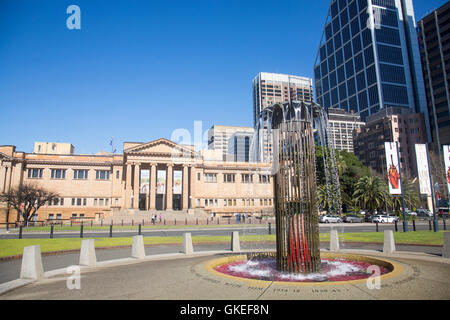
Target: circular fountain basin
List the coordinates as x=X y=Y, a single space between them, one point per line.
x=335 y=268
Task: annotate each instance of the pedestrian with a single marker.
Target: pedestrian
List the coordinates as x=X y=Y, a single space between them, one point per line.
x=160 y=217
x=212 y=216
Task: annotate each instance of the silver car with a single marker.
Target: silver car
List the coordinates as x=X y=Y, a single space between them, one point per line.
x=330 y=219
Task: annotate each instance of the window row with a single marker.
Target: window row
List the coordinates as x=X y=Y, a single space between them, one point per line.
x=231 y=178
x=60 y=174
x=234 y=202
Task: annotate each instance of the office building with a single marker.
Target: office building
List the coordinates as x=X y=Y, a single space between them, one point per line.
x=434 y=42
x=369 y=58
x=239 y=146
x=271 y=88
x=400 y=125
x=342 y=125
x=219 y=136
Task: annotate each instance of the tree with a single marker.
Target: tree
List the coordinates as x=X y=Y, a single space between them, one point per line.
x=27 y=199
x=410 y=193
x=371 y=193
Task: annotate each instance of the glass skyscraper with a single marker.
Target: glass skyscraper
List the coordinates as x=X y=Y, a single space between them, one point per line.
x=369 y=58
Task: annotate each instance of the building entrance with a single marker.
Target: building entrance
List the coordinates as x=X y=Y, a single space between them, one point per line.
x=159 y=204
x=176 y=202
x=142 y=201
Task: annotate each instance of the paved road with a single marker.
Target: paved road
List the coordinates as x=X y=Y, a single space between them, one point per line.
x=213 y=231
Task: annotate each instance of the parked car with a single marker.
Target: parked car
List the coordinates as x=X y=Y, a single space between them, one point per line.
x=424 y=213
x=383 y=219
x=351 y=218
x=330 y=219
x=368 y=218
x=394 y=217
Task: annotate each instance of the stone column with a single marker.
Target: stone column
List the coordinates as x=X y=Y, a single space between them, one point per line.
x=2 y=178
x=185 y=187
x=153 y=187
x=169 y=186
x=8 y=178
x=192 y=182
x=128 y=189
x=17 y=178
x=137 y=176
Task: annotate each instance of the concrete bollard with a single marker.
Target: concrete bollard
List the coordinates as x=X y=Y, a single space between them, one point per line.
x=334 y=240
x=87 y=253
x=446 y=246
x=187 y=243
x=138 y=250
x=32 y=263
x=389 y=243
x=235 y=243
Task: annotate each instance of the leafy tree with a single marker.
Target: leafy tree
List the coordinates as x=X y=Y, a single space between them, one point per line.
x=411 y=195
x=371 y=193
x=27 y=199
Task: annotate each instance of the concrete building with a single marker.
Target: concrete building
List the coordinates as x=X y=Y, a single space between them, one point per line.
x=53 y=148
x=270 y=88
x=369 y=58
x=434 y=42
x=158 y=175
x=239 y=146
x=219 y=137
x=343 y=124
x=391 y=125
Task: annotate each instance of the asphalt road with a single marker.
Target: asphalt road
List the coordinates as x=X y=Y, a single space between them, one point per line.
x=216 y=231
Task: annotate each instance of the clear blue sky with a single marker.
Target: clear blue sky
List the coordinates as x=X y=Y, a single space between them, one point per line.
x=137 y=70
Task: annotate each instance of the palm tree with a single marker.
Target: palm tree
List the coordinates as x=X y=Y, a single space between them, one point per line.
x=411 y=195
x=370 y=192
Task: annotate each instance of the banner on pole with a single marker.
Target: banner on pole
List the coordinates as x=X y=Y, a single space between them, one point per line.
x=447 y=165
x=161 y=182
x=145 y=182
x=393 y=168
x=423 y=169
x=177 y=181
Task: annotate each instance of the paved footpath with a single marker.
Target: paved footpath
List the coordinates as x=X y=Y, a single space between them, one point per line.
x=176 y=276
x=185 y=277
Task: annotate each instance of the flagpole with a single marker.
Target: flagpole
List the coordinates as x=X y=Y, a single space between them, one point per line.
x=433 y=196
x=405 y=224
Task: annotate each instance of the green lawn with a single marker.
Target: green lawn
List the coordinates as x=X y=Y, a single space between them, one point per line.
x=10 y=247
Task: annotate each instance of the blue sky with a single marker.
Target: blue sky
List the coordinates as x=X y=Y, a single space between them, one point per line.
x=137 y=70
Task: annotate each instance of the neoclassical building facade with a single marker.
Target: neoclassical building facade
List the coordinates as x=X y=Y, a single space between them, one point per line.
x=156 y=176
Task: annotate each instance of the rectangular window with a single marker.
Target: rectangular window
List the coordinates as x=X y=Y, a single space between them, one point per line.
x=35 y=173
x=78 y=201
x=229 y=178
x=198 y=176
x=95 y=202
x=247 y=178
x=102 y=175
x=80 y=174
x=51 y=216
x=58 y=174
x=210 y=177
x=58 y=216
x=117 y=174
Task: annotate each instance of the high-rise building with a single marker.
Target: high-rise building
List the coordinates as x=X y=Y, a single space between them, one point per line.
x=369 y=58
x=342 y=124
x=395 y=125
x=434 y=43
x=239 y=146
x=218 y=137
x=270 y=88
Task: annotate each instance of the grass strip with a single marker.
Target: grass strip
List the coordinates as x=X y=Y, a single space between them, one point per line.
x=11 y=247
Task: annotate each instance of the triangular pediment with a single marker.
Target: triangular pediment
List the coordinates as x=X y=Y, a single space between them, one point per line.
x=161 y=147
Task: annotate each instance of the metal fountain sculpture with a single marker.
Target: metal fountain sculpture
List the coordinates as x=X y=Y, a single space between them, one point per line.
x=289 y=127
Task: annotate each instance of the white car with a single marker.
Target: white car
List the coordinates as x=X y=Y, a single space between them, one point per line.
x=383 y=219
x=330 y=219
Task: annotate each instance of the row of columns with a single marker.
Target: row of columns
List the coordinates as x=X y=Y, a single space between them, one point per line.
x=5 y=177
x=132 y=190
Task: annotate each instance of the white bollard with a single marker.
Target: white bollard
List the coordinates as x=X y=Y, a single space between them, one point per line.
x=446 y=246
x=138 y=250
x=187 y=243
x=389 y=243
x=87 y=253
x=32 y=263
x=235 y=243
x=334 y=240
